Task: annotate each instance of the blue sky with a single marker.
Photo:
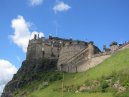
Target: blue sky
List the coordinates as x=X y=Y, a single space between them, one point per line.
x=101 y=21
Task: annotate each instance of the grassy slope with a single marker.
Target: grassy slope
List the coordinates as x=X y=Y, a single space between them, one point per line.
x=118 y=62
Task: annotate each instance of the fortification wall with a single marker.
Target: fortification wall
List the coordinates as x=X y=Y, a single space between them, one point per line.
x=47 y=51
x=97 y=59
x=72 y=64
x=126 y=46
x=55 y=51
x=92 y=63
x=34 y=49
x=72 y=55
x=84 y=64
x=68 y=52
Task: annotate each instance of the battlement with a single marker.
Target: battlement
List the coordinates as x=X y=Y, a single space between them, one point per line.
x=114 y=46
x=67 y=42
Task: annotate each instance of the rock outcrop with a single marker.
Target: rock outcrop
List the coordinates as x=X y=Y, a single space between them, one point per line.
x=27 y=73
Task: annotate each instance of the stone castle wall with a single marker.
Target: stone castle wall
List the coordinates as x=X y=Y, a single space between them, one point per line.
x=41 y=48
x=68 y=51
x=74 y=64
x=87 y=64
x=73 y=56
x=51 y=51
x=125 y=46
x=96 y=59
x=34 y=49
x=84 y=63
x=47 y=51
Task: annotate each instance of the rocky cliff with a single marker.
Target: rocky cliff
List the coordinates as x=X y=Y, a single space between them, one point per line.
x=28 y=72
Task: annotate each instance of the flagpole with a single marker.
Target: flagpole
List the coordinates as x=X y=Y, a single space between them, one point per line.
x=62 y=84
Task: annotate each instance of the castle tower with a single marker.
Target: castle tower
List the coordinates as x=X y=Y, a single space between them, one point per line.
x=35 y=48
x=91 y=50
x=113 y=46
x=104 y=48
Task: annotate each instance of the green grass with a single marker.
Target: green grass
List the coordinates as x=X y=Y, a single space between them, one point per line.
x=48 y=92
x=57 y=94
x=118 y=62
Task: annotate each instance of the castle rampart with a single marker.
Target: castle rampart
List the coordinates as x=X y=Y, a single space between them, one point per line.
x=72 y=55
x=71 y=64
x=69 y=51
x=34 y=49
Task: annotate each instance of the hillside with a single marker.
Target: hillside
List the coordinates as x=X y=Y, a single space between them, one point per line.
x=109 y=79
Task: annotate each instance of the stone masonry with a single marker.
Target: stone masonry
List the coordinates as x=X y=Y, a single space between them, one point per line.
x=72 y=55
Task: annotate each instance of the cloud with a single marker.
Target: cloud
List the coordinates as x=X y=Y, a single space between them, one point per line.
x=60 y=7
x=22 y=33
x=7 y=70
x=35 y=2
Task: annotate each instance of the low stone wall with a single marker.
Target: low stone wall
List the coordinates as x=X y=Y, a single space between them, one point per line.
x=102 y=54
x=126 y=46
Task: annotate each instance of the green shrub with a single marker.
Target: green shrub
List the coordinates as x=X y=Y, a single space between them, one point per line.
x=104 y=85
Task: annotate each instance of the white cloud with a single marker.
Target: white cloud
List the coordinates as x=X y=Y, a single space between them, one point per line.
x=22 y=33
x=61 y=6
x=7 y=70
x=35 y=2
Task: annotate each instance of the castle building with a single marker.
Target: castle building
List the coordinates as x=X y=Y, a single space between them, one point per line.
x=69 y=53
x=39 y=48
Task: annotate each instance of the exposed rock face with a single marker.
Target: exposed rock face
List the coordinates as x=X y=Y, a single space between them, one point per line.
x=27 y=73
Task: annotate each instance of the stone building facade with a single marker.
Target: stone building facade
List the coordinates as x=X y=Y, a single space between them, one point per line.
x=72 y=55
x=67 y=51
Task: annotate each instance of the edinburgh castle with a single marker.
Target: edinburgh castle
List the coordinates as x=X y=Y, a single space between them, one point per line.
x=72 y=55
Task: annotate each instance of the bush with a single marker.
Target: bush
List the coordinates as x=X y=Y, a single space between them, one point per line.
x=55 y=76
x=104 y=85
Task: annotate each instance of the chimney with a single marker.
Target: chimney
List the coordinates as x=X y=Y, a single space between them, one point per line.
x=38 y=36
x=35 y=36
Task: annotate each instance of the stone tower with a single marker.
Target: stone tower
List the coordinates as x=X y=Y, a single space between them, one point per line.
x=91 y=50
x=35 y=48
x=113 y=46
